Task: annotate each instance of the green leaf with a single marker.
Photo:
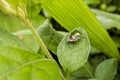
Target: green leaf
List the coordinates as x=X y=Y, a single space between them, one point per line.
x=22 y=3
x=92 y=1
x=38 y=20
x=83 y=73
x=10 y=23
x=111 y=8
x=94 y=50
x=14 y=3
x=28 y=39
x=18 y=64
x=108 y=20
x=28 y=8
x=8 y=39
x=33 y=8
x=37 y=1
x=106 y=70
x=18 y=5
x=73 y=54
x=79 y=15
x=50 y=36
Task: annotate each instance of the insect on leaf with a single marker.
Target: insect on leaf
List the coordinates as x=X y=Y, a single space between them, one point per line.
x=73 y=50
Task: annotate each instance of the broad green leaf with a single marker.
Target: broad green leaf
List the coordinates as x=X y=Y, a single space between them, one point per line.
x=18 y=64
x=50 y=36
x=108 y=20
x=73 y=50
x=28 y=39
x=70 y=17
x=12 y=57
x=8 y=39
x=106 y=70
x=10 y=23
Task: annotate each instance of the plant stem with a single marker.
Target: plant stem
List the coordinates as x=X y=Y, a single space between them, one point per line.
x=41 y=43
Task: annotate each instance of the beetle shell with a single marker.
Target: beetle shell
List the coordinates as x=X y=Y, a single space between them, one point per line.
x=74 y=38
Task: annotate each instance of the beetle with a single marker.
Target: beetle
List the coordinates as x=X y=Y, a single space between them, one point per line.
x=74 y=37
